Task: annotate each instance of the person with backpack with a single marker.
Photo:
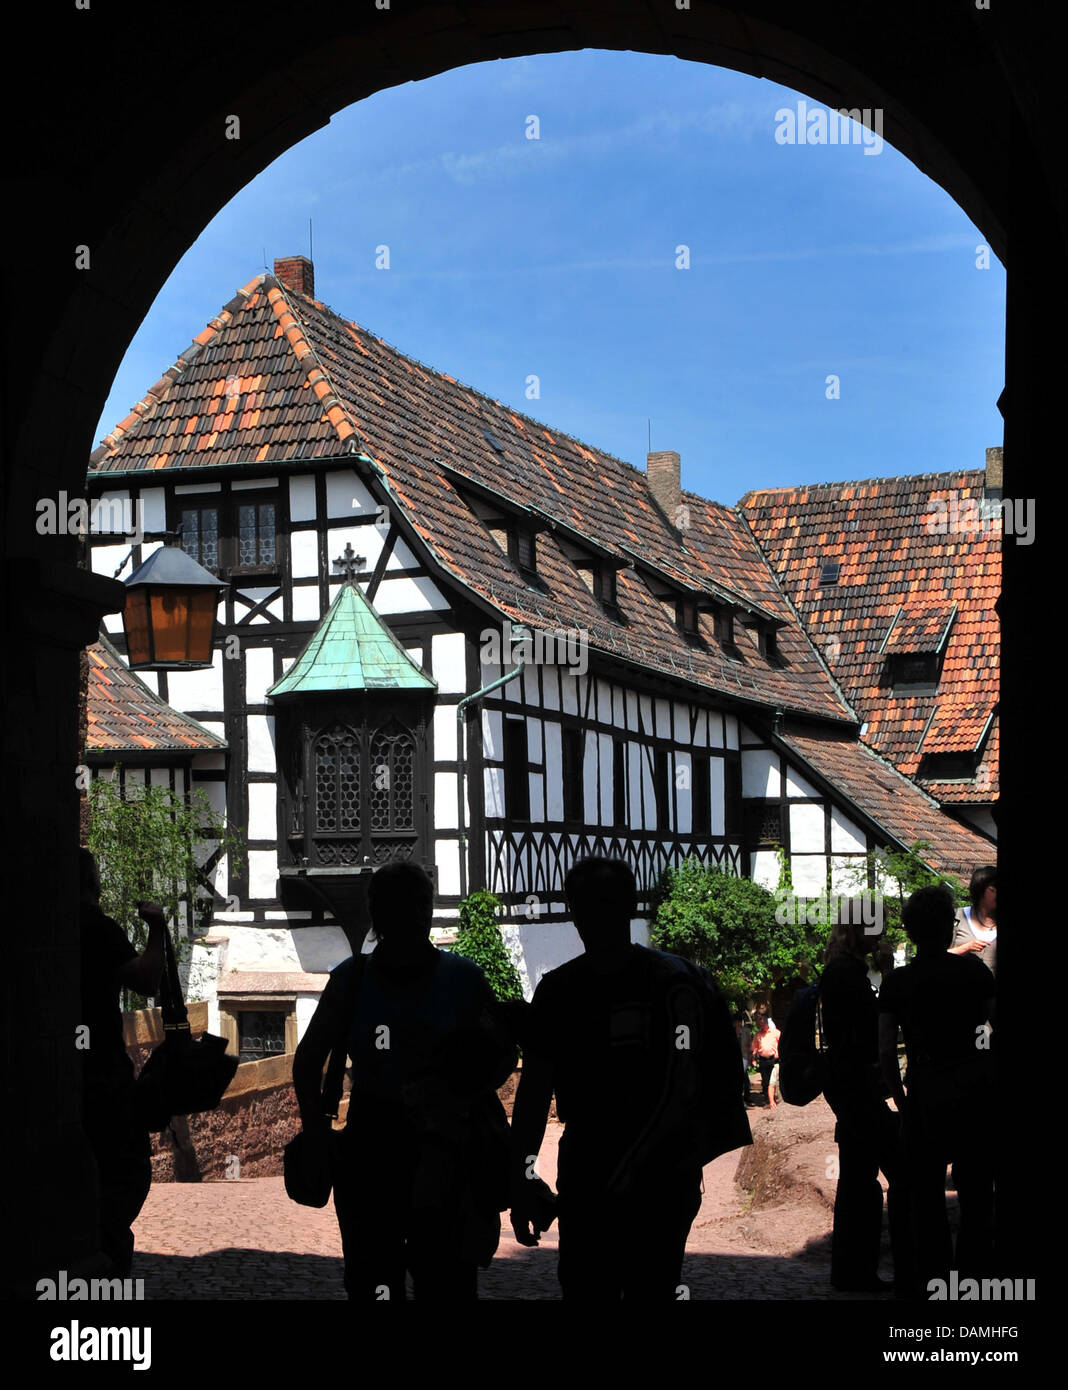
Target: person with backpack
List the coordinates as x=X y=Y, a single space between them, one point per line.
x=420 y=1174
x=639 y=1049
x=866 y=1131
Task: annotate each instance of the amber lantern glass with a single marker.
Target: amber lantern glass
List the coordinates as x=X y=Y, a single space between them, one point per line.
x=170 y=612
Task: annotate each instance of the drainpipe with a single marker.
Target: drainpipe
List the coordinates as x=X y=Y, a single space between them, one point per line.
x=519 y=633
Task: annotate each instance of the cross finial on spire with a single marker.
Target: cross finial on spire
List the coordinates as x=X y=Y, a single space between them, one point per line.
x=349 y=564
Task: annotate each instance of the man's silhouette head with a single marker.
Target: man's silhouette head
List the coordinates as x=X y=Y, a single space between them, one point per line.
x=603 y=898
x=400 y=898
x=928 y=918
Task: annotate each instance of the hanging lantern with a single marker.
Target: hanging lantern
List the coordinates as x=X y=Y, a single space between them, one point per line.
x=169 y=617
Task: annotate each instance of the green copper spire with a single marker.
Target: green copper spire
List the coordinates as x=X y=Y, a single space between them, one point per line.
x=352 y=649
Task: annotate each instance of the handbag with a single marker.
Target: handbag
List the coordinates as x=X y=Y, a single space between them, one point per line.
x=306 y=1182
x=183 y=1075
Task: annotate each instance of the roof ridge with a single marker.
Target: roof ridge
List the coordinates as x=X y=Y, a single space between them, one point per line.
x=317 y=377
x=856 y=482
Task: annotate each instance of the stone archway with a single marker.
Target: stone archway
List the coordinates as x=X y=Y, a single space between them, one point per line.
x=117 y=142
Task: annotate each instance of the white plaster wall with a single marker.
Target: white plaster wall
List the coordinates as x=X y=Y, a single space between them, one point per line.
x=259 y=674
x=569 y=694
x=684 y=791
x=315 y=950
x=302 y=498
x=797 y=786
x=197 y=689
x=408 y=596
x=154 y=508
x=809 y=874
x=203 y=973
x=663 y=719
x=492 y=737
x=401 y=557
x=806 y=829
x=550 y=688
x=262 y=874
x=717 y=791
x=445 y=723
x=449 y=659
x=766 y=869
x=262 y=811
x=631 y=703
x=494 y=784
x=304 y=554
x=760 y=772
x=846 y=837
x=261 y=743
x=346 y=495
x=306 y=604
x=445 y=793
x=537 y=798
x=730 y=722
x=447 y=859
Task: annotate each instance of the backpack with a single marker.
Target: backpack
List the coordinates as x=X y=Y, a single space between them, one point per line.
x=701 y=1114
x=802 y=1060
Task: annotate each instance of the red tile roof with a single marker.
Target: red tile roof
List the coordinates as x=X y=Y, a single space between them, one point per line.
x=277 y=376
x=894 y=802
x=905 y=579
x=124 y=716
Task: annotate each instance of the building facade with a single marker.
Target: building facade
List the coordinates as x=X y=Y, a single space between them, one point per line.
x=453 y=636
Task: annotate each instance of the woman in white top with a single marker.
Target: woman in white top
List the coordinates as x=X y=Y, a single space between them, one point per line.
x=977 y=927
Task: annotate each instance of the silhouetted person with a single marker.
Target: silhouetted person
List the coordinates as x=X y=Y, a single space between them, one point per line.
x=605 y=1037
x=976 y=926
x=420 y=1183
x=119 y=1141
x=866 y=1131
x=942 y=1002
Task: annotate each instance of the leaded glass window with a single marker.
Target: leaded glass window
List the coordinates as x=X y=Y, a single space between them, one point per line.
x=391 y=798
x=262 y=1034
x=337 y=781
x=200 y=536
x=255 y=534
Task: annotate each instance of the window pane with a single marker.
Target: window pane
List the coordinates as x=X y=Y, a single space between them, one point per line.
x=267 y=533
x=246 y=540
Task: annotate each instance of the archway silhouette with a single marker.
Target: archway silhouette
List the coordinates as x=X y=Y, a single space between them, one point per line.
x=120 y=150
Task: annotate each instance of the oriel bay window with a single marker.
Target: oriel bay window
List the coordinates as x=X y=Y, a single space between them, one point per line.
x=355 y=789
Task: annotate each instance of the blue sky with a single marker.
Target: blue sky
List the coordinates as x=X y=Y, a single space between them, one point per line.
x=555 y=257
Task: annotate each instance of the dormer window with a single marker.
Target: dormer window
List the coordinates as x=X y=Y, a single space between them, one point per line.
x=913 y=668
x=526 y=552
x=915 y=646
x=724 y=625
x=769 y=646
x=686 y=616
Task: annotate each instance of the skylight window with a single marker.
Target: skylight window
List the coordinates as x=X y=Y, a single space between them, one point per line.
x=830 y=572
x=494 y=443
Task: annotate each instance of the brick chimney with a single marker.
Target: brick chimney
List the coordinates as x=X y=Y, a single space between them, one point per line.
x=663 y=469
x=296 y=273
x=994 y=459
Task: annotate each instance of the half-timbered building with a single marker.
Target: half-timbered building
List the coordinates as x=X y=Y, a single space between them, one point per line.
x=456 y=636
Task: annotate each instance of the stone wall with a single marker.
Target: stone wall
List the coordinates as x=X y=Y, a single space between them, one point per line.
x=256 y=1118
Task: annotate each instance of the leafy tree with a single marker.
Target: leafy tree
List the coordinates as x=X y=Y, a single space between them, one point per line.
x=479 y=939
x=145 y=844
x=728 y=925
x=897 y=874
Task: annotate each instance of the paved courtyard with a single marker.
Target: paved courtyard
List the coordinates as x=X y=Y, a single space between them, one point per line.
x=246 y=1240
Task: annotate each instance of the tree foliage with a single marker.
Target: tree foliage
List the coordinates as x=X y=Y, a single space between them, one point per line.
x=150 y=844
x=728 y=925
x=479 y=939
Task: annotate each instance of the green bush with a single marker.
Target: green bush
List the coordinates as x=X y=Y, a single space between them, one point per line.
x=727 y=924
x=479 y=939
